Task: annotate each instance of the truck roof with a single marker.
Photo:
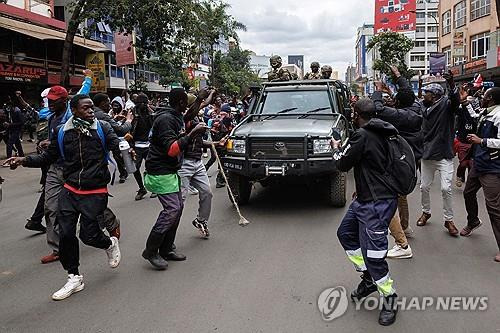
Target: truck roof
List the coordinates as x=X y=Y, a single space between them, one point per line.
x=301 y=82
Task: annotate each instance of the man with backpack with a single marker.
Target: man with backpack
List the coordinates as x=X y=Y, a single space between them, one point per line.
x=83 y=145
x=377 y=153
x=406 y=116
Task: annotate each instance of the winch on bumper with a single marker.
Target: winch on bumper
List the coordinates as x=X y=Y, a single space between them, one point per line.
x=258 y=169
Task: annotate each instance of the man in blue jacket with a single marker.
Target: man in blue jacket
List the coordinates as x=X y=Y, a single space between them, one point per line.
x=485 y=171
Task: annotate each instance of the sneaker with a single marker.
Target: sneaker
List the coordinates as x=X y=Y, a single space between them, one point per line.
x=141 y=194
x=205 y=155
x=423 y=219
x=205 y=233
x=192 y=190
x=398 y=252
x=467 y=231
x=408 y=232
x=35 y=226
x=74 y=285
x=54 y=256
x=116 y=232
x=113 y=252
x=459 y=182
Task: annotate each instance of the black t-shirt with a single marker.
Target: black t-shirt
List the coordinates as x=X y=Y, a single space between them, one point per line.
x=194 y=149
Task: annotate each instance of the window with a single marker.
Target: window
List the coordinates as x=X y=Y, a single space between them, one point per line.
x=432 y=29
x=479 y=8
x=419 y=43
x=460 y=14
x=416 y=58
x=447 y=51
x=459 y=61
x=447 y=22
x=479 y=45
x=420 y=29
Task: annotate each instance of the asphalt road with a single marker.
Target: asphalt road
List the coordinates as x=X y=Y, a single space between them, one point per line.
x=265 y=277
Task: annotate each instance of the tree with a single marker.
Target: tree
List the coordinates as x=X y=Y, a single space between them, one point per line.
x=234 y=75
x=392 y=48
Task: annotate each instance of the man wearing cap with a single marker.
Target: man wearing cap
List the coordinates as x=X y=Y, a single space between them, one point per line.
x=59 y=107
x=439 y=132
x=193 y=172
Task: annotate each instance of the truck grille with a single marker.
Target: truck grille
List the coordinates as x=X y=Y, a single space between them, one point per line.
x=263 y=149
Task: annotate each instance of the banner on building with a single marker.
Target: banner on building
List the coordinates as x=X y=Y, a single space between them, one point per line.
x=395 y=16
x=96 y=63
x=458 y=44
x=125 y=49
x=22 y=73
x=437 y=63
x=297 y=60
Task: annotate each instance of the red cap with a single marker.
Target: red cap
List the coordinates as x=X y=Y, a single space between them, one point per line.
x=57 y=92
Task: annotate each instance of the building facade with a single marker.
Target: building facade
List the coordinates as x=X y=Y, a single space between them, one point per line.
x=469 y=38
x=364 y=59
x=426 y=35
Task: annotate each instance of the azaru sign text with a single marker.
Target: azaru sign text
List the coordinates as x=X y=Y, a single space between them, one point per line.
x=22 y=73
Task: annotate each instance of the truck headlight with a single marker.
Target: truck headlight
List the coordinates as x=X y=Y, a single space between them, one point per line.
x=236 y=146
x=322 y=146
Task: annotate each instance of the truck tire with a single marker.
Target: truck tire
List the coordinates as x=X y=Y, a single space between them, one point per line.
x=241 y=187
x=337 y=189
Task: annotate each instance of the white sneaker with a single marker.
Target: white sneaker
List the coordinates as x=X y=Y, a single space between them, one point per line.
x=193 y=191
x=397 y=252
x=114 y=255
x=408 y=232
x=74 y=285
x=205 y=155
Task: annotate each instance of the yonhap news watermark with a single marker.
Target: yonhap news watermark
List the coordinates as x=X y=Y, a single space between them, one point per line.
x=334 y=302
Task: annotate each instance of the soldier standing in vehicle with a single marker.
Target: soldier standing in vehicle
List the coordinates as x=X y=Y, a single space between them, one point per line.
x=326 y=72
x=314 y=74
x=278 y=73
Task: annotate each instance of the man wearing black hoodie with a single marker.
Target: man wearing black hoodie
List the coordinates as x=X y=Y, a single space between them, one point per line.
x=406 y=116
x=363 y=231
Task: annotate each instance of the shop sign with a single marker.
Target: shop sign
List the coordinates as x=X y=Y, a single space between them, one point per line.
x=96 y=63
x=472 y=67
x=22 y=73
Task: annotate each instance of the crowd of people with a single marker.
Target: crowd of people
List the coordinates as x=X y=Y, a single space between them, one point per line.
x=463 y=120
x=80 y=139
x=77 y=135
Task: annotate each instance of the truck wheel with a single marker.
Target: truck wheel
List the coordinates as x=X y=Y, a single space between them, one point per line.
x=337 y=189
x=241 y=187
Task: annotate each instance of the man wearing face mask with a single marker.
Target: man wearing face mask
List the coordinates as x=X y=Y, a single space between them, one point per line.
x=439 y=133
x=82 y=144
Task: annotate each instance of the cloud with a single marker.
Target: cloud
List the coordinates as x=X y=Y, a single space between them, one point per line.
x=321 y=30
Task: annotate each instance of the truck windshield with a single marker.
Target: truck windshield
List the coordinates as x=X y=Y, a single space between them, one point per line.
x=290 y=102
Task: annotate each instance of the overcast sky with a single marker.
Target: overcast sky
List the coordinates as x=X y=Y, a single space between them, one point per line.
x=321 y=30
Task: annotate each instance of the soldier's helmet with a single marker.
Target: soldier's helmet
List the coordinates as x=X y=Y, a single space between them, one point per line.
x=314 y=64
x=326 y=68
x=275 y=59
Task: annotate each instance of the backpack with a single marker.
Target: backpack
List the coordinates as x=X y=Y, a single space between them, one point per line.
x=401 y=172
x=100 y=133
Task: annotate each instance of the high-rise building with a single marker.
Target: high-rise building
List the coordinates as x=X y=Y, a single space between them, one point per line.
x=426 y=35
x=469 y=36
x=364 y=59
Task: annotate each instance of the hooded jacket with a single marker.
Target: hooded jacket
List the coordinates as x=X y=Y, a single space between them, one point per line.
x=439 y=127
x=85 y=166
x=120 y=129
x=408 y=122
x=366 y=152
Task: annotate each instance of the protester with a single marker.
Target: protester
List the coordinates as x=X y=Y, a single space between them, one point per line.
x=102 y=105
x=193 y=172
x=13 y=125
x=438 y=129
x=139 y=139
x=485 y=172
x=406 y=116
x=168 y=142
x=82 y=144
x=363 y=231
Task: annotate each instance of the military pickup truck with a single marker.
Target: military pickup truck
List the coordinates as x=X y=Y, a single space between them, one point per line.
x=286 y=137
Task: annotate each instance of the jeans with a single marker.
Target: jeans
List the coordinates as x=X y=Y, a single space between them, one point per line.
x=363 y=235
x=88 y=209
x=14 y=141
x=141 y=154
x=193 y=172
x=53 y=186
x=491 y=189
x=445 y=168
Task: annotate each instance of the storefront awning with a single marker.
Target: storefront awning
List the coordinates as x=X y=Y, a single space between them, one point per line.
x=43 y=33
